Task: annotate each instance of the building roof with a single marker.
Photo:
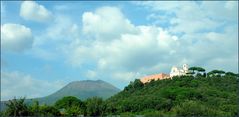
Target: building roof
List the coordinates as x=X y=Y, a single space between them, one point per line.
x=154 y=77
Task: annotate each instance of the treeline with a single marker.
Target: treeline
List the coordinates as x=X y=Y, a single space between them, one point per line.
x=198 y=94
x=67 y=106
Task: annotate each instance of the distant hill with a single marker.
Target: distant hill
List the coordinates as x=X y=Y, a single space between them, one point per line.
x=180 y=96
x=80 y=89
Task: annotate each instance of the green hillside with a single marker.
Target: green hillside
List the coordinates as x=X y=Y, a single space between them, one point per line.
x=181 y=96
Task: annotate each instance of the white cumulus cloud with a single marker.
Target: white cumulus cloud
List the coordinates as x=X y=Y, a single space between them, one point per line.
x=106 y=23
x=128 y=54
x=127 y=51
x=153 y=49
x=15 y=37
x=208 y=31
x=30 y=10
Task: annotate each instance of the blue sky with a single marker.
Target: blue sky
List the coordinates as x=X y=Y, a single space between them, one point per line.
x=47 y=44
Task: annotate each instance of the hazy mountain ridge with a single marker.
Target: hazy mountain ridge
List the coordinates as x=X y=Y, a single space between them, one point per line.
x=82 y=90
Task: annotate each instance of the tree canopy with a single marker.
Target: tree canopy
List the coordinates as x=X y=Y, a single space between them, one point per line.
x=71 y=105
x=16 y=107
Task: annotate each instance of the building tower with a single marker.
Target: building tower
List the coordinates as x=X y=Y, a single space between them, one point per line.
x=185 y=68
x=179 y=72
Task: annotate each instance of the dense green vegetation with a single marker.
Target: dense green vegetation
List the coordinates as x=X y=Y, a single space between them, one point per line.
x=201 y=94
x=181 y=96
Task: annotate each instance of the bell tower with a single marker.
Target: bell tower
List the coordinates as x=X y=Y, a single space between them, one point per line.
x=185 y=68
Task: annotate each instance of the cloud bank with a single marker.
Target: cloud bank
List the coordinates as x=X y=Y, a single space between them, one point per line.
x=30 y=10
x=15 y=37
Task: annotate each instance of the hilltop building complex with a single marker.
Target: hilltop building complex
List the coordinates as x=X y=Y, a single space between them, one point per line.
x=174 y=72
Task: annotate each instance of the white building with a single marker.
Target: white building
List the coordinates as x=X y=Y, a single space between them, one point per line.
x=179 y=72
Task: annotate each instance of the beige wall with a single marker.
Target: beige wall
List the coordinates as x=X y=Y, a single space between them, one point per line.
x=154 y=77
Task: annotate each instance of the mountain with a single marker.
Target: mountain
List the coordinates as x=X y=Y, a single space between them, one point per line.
x=180 y=96
x=80 y=89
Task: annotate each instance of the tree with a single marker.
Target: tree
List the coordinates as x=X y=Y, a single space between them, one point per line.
x=195 y=108
x=74 y=111
x=200 y=69
x=67 y=102
x=210 y=74
x=217 y=72
x=230 y=74
x=16 y=107
x=34 y=108
x=221 y=72
x=137 y=84
x=193 y=69
x=72 y=105
x=49 y=111
x=95 y=106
